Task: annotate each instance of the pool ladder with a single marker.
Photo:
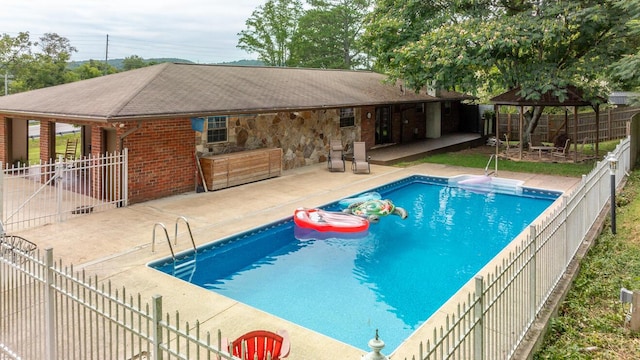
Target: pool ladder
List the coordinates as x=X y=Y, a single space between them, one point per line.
x=486 y=168
x=183 y=269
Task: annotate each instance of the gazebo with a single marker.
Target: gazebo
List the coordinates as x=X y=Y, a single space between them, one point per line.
x=574 y=98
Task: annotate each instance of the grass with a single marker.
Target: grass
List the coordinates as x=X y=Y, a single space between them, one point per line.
x=590 y=322
x=478 y=157
x=61 y=142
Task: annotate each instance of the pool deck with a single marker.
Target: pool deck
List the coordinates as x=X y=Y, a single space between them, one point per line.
x=115 y=245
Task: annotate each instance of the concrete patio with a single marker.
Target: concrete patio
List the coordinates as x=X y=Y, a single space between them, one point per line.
x=115 y=245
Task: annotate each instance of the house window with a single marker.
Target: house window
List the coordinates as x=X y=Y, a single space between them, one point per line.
x=347 y=117
x=216 y=129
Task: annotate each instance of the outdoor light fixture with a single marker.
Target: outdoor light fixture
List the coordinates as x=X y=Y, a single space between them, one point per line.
x=613 y=166
x=368 y=115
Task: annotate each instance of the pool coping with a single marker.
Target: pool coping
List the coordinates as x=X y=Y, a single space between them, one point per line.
x=115 y=245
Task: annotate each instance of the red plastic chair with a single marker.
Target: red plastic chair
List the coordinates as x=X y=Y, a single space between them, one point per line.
x=260 y=345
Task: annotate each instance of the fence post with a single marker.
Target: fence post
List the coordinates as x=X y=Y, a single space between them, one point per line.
x=157 y=331
x=478 y=329
x=58 y=176
x=533 y=235
x=2 y=175
x=50 y=307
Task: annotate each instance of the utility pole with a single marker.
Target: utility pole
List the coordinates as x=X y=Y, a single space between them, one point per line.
x=106 y=57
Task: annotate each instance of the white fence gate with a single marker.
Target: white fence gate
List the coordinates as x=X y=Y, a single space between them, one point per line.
x=34 y=195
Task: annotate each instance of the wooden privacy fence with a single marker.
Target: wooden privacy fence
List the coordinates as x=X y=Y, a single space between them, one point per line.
x=613 y=125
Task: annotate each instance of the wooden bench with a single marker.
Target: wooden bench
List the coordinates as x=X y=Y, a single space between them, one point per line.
x=225 y=170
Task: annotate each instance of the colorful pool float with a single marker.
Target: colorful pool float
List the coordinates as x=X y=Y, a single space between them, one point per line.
x=321 y=220
x=360 y=198
x=372 y=210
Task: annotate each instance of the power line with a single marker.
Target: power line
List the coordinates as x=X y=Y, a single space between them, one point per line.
x=91 y=46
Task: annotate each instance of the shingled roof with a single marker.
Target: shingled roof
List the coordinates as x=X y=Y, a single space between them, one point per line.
x=186 y=90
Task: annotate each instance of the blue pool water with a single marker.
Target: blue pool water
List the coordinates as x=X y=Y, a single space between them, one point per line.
x=391 y=278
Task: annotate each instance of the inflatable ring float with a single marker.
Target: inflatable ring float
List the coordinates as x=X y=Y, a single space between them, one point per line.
x=373 y=209
x=360 y=198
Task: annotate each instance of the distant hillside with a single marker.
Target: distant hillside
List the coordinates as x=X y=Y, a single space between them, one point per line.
x=244 y=63
x=117 y=63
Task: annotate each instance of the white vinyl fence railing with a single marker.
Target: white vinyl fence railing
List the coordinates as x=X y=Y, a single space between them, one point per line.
x=39 y=194
x=493 y=320
x=48 y=311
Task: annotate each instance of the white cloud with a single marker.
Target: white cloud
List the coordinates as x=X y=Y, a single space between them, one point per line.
x=197 y=30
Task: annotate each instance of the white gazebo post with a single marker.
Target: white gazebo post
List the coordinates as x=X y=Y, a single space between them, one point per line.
x=376 y=345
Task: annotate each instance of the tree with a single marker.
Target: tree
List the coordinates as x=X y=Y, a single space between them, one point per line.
x=328 y=35
x=133 y=62
x=13 y=52
x=92 y=69
x=539 y=46
x=270 y=30
x=47 y=67
x=626 y=71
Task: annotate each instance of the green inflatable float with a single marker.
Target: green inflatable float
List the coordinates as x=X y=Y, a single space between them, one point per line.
x=373 y=209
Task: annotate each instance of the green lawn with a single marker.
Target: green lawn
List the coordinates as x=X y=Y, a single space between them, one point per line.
x=61 y=143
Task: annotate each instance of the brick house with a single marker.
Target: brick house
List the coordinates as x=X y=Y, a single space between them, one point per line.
x=166 y=114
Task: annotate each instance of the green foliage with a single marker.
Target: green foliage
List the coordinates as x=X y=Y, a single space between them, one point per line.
x=328 y=34
x=539 y=46
x=33 y=70
x=627 y=70
x=270 y=30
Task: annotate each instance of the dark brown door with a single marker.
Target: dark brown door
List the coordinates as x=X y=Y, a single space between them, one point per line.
x=383 y=125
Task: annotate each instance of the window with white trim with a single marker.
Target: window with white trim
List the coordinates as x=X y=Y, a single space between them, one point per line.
x=216 y=129
x=347 y=117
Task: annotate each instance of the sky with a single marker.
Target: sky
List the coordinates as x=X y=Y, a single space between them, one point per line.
x=203 y=31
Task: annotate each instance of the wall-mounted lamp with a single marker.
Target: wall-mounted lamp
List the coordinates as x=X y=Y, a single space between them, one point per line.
x=368 y=115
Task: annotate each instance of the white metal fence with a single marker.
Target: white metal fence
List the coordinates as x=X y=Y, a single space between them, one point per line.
x=34 y=195
x=52 y=312
x=493 y=320
x=48 y=311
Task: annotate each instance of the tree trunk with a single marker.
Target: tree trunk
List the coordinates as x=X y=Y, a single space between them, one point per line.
x=531 y=120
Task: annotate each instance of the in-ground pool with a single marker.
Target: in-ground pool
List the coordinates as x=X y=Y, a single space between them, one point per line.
x=391 y=278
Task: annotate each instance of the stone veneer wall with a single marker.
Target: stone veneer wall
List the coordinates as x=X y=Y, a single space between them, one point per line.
x=303 y=135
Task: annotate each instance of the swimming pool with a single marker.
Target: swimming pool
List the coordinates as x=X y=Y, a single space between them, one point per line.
x=391 y=278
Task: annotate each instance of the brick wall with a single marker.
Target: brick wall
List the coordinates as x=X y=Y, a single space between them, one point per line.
x=161 y=159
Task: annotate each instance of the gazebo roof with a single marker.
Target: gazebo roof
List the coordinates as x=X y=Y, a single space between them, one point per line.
x=512 y=97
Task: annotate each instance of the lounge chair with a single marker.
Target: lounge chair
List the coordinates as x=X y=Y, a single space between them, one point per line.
x=336 y=156
x=259 y=345
x=360 y=161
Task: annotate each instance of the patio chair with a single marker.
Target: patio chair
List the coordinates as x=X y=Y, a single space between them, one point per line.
x=336 y=156
x=360 y=162
x=259 y=345
x=70 y=150
x=563 y=151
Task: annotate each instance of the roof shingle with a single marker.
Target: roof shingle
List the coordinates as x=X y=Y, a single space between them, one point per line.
x=171 y=90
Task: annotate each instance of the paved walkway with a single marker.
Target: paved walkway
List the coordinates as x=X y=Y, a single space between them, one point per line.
x=116 y=244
